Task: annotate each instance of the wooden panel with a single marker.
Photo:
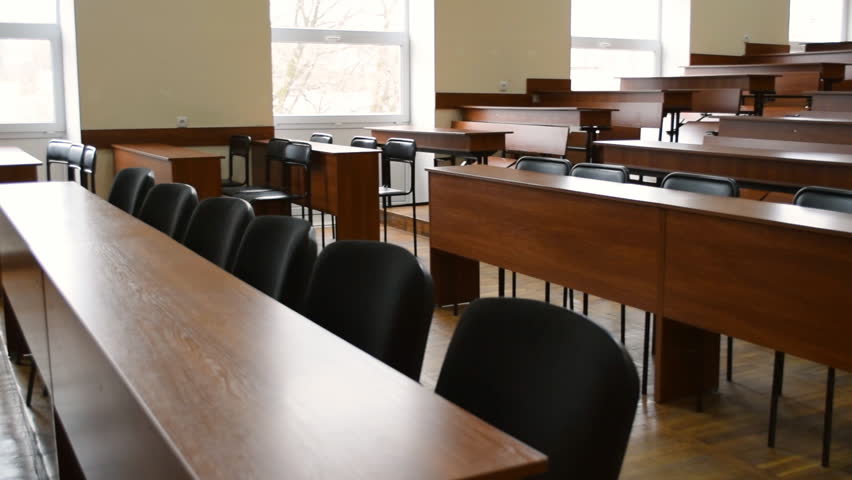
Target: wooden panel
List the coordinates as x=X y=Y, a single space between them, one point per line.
x=169 y=163
x=786 y=297
x=17 y=165
x=794 y=79
x=202 y=136
x=555 y=116
x=763 y=48
x=446 y=140
x=541 y=85
x=710 y=59
x=526 y=138
x=789 y=146
x=207 y=355
x=826 y=46
x=633 y=109
x=751 y=82
x=831 y=101
x=792 y=129
x=535 y=241
x=444 y=100
x=717 y=100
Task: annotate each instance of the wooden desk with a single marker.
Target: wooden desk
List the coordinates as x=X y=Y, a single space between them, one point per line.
x=783 y=145
x=831 y=101
x=170 y=164
x=17 y=165
x=165 y=366
x=766 y=169
x=655 y=257
x=757 y=84
x=818 y=130
x=344 y=183
x=453 y=141
x=793 y=78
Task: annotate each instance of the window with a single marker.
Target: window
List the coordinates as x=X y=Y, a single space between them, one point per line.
x=31 y=91
x=340 y=61
x=818 y=20
x=612 y=39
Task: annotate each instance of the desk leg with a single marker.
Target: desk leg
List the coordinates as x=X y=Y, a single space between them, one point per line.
x=456 y=279
x=591 y=136
x=15 y=343
x=687 y=360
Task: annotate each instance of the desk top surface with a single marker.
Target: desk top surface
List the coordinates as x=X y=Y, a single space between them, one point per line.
x=770 y=66
x=437 y=131
x=163 y=151
x=241 y=385
x=791 y=121
x=734 y=151
x=694 y=77
x=789 y=216
x=326 y=147
x=15 y=157
x=540 y=109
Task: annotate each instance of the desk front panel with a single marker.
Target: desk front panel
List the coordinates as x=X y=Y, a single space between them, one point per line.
x=793 y=130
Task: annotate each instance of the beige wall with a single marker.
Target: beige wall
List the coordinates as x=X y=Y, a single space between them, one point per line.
x=143 y=63
x=718 y=26
x=478 y=43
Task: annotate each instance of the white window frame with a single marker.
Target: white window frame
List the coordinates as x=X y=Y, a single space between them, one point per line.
x=355 y=37
x=644 y=45
x=53 y=33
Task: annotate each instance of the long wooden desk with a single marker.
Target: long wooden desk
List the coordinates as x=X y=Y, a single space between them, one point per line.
x=344 y=182
x=200 y=169
x=819 y=130
x=650 y=248
x=453 y=141
x=164 y=366
x=831 y=101
x=767 y=169
x=17 y=165
x=757 y=84
x=793 y=78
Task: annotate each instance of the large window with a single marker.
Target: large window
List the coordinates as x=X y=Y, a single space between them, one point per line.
x=612 y=39
x=30 y=67
x=339 y=61
x=818 y=20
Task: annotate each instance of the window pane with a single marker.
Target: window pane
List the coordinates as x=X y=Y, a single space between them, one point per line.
x=27 y=11
x=336 y=79
x=615 y=19
x=600 y=69
x=26 y=81
x=370 y=15
x=816 y=20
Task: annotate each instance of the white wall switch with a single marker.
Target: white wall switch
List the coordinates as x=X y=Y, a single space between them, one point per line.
x=504 y=85
x=182 y=122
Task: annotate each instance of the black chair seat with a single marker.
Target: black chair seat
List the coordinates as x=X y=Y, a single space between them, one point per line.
x=391 y=192
x=237 y=189
x=267 y=195
x=231 y=183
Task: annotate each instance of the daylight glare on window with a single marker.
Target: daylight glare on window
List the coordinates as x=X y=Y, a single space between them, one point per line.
x=816 y=20
x=367 y=15
x=615 y=18
x=27 y=11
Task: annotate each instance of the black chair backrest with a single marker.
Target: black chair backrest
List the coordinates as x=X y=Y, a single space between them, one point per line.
x=825 y=198
x=376 y=296
x=364 y=142
x=601 y=171
x=549 y=377
x=320 y=137
x=168 y=208
x=276 y=256
x=130 y=187
x=87 y=167
x=399 y=150
x=297 y=153
x=555 y=166
x=57 y=151
x=239 y=145
x=74 y=157
x=216 y=229
x=700 y=183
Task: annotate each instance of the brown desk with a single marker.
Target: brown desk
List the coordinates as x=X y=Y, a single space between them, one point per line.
x=831 y=101
x=793 y=78
x=757 y=84
x=17 y=165
x=818 y=130
x=344 y=183
x=766 y=169
x=648 y=248
x=785 y=145
x=165 y=366
x=453 y=141
x=200 y=169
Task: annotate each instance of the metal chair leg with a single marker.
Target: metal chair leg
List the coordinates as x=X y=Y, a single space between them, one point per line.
x=564 y=298
x=385 y=213
x=829 y=411
x=730 y=367
x=585 y=304
x=645 y=354
x=514 y=284
x=414 y=222
x=623 y=321
x=546 y=292
x=322 y=226
x=653 y=335
x=777 y=374
x=571 y=299
x=30 y=384
x=501 y=281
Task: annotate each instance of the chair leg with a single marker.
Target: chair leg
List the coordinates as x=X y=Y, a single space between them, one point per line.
x=455 y=309
x=385 y=213
x=645 y=355
x=585 y=304
x=334 y=227
x=514 y=284
x=546 y=292
x=571 y=299
x=30 y=385
x=653 y=336
x=623 y=321
x=322 y=226
x=829 y=411
x=565 y=297
x=303 y=213
x=730 y=367
x=777 y=375
x=501 y=282
x=414 y=222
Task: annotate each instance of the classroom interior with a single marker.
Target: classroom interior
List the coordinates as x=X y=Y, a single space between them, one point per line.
x=426 y=239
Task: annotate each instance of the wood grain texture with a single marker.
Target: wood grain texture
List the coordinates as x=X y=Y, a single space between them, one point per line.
x=788 y=128
x=187 y=137
x=766 y=166
x=750 y=82
x=548 y=85
x=17 y=165
x=831 y=101
x=446 y=140
x=576 y=117
x=636 y=109
x=538 y=139
x=793 y=79
x=449 y=100
x=778 y=145
x=826 y=46
x=203 y=353
x=170 y=164
x=764 y=48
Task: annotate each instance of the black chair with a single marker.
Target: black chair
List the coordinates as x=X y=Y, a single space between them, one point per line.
x=320 y=137
x=74 y=157
x=530 y=163
x=57 y=153
x=837 y=200
x=376 y=296
x=87 y=167
x=709 y=185
x=216 y=229
x=547 y=376
x=168 y=208
x=398 y=150
x=364 y=142
x=238 y=146
x=130 y=187
x=276 y=256
x=274 y=152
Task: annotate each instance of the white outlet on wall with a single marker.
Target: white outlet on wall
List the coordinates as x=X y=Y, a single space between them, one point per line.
x=182 y=122
x=746 y=38
x=504 y=85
